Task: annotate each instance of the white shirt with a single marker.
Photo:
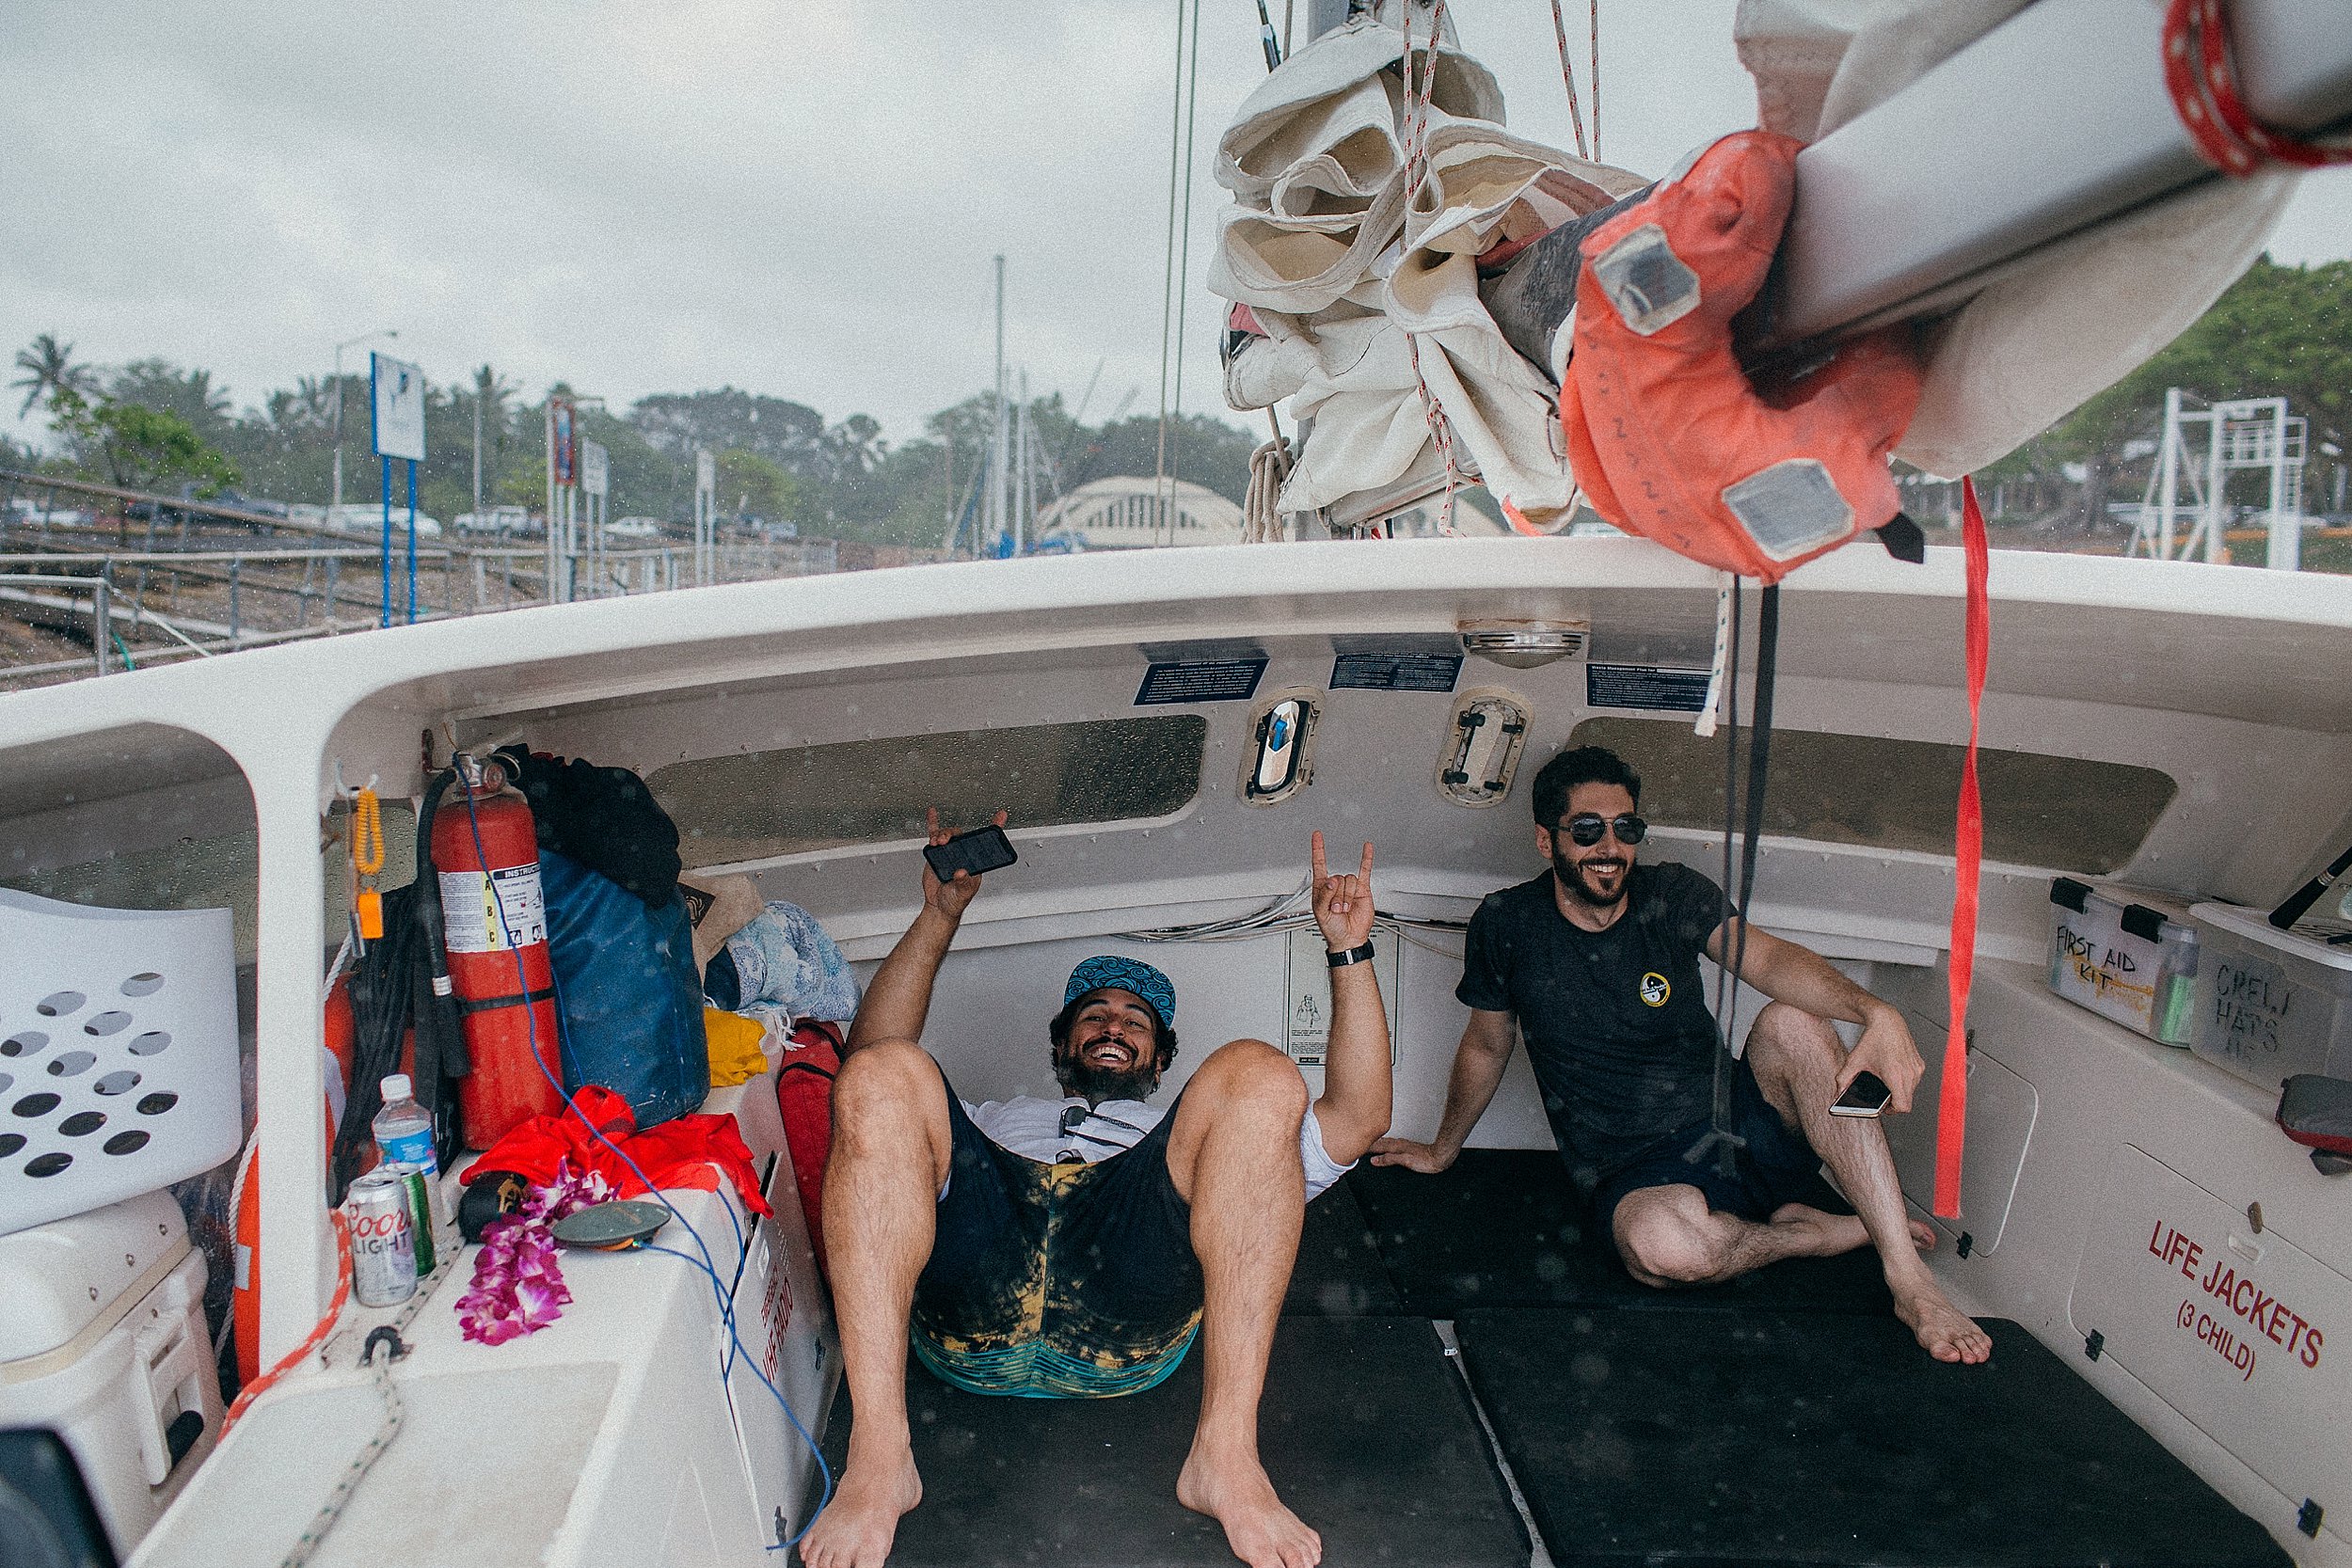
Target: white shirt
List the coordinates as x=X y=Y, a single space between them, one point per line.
x=1031 y=1128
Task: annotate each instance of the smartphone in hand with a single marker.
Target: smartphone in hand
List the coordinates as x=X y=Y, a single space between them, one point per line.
x=1866 y=1096
x=982 y=850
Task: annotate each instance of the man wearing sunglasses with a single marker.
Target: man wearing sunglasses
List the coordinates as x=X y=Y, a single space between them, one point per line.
x=1075 y=1248
x=1597 y=963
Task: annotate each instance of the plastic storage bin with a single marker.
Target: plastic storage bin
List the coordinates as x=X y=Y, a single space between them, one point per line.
x=2131 y=957
x=2270 y=1004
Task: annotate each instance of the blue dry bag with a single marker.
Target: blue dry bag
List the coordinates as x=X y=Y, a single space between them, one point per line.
x=630 y=999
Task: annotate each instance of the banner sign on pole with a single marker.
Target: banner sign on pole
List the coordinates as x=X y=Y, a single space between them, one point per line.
x=566 y=440
x=705 y=473
x=398 y=399
x=595 y=470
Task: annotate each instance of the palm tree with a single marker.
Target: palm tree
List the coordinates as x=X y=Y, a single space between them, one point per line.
x=49 y=367
x=490 y=392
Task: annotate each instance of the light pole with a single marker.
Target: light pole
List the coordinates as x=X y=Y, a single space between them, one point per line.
x=335 y=501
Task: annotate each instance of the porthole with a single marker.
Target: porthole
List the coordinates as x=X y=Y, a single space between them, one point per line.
x=1483 y=747
x=1280 y=760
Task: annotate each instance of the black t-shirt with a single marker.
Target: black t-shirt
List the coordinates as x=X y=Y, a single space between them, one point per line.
x=1617 y=1022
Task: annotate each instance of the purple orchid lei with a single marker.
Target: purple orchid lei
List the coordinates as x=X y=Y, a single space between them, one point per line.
x=518 y=1287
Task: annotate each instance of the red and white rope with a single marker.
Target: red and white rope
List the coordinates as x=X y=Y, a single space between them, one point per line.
x=2200 y=74
x=1567 y=75
x=1596 y=79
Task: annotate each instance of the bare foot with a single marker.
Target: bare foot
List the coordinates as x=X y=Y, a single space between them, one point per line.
x=1825 y=1235
x=856 y=1527
x=1237 y=1494
x=1944 y=1330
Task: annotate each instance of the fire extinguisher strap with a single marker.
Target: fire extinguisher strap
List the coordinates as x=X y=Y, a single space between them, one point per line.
x=466 y=1007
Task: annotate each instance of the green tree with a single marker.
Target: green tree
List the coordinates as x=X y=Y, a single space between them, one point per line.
x=751 y=485
x=135 y=445
x=2276 y=332
x=160 y=385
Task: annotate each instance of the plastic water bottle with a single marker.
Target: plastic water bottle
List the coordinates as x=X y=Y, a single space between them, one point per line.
x=403 y=1138
x=404 y=1132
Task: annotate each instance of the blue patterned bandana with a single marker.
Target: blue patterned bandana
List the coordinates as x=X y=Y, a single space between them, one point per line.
x=1109 y=972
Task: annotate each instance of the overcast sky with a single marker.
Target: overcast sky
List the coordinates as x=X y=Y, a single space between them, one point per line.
x=798 y=199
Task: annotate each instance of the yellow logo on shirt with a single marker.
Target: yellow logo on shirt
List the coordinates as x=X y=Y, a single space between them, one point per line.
x=1655 y=989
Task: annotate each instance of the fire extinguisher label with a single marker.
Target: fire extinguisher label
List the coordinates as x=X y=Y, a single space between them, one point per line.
x=480 y=912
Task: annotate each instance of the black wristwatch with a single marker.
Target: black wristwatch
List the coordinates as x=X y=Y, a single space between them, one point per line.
x=1353 y=956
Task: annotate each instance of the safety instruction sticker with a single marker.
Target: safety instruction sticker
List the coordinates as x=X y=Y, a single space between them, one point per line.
x=1646 y=685
x=1201 y=680
x=2229 y=1323
x=1307 y=1005
x=1379 y=670
x=479 y=912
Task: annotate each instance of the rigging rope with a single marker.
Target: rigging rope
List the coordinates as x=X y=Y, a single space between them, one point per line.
x=1596 y=79
x=1167 y=275
x=1184 y=276
x=1416 y=174
x=1567 y=75
x=1269 y=469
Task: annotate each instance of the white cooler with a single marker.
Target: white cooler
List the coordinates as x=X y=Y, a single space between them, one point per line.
x=103 y=1339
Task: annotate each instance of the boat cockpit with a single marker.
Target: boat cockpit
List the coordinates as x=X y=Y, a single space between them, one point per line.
x=1461 y=1374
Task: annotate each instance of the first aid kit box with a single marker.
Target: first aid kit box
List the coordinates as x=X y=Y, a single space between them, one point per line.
x=2124 y=954
x=2270 y=1004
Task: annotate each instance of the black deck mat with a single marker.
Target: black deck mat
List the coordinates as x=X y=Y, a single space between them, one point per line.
x=1501 y=1228
x=1366 y=1430
x=1339 y=1272
x=1697 y=1438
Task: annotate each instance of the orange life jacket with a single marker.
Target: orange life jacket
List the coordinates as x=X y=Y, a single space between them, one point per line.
x=1667 y=436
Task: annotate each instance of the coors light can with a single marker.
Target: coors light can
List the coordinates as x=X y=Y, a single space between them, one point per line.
x=383 y=1239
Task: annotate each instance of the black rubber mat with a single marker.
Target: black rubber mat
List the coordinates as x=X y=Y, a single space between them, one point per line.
x=1503 y=1228
x=1700 y=1438
x=1339 y=1272
x=1365 y=1427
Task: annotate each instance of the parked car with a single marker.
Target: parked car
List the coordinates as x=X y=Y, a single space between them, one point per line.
x=498 y=519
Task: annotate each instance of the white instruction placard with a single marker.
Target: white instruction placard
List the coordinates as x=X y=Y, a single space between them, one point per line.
x=478 y=912
x=1306 y=1001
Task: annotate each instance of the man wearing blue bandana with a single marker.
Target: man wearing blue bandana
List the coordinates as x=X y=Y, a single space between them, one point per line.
x=1075 y=1247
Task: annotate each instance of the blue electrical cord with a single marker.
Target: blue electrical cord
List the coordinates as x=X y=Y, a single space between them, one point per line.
x=718 y=1287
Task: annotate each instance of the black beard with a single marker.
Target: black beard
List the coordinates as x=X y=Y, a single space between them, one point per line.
x=1571 y=875
x=1094 y=1085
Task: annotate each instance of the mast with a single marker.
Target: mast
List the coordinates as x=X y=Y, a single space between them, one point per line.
x=997 y=497
x=1024 y=490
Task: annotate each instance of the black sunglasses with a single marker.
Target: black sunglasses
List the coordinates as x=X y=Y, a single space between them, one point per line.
x=1587 y=828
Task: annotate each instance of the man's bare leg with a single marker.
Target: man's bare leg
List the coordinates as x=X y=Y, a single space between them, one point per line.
x=1797 y=1058
x=892 y=1148
x=1233 y=1156
x=1668 y=1236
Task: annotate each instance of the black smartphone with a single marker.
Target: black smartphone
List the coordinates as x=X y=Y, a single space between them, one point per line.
x=1866 y=1096
x=982 y=850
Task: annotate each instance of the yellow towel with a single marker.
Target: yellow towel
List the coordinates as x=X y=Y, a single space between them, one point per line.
x=736 y=1053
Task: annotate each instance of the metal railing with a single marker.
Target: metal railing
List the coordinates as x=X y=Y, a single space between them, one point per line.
x=189 y=577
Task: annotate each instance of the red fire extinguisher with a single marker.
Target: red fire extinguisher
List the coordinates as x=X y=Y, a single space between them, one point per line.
x=493 y=913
